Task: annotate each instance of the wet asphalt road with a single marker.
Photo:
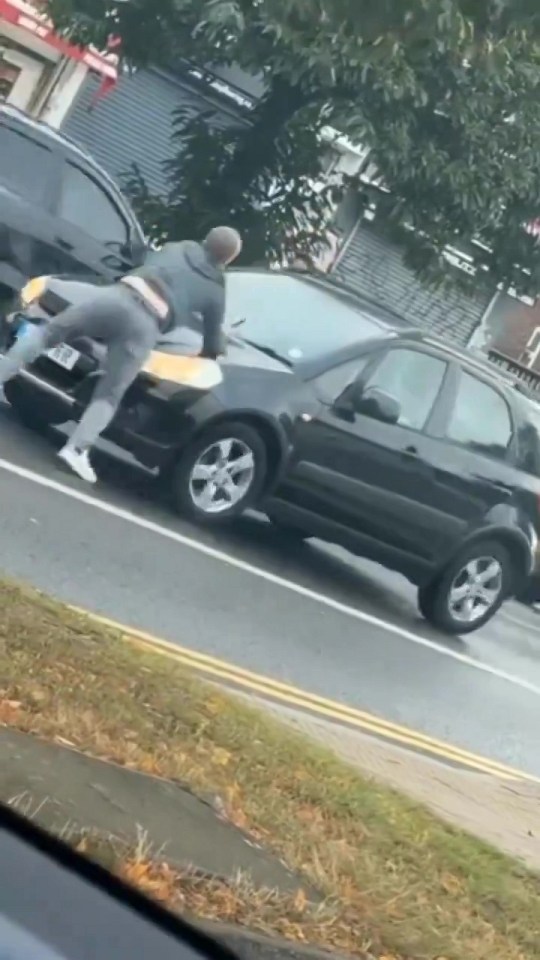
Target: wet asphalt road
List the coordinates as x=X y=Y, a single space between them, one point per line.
x=142 y=577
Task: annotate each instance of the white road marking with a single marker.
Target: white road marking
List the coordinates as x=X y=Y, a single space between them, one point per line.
x=109 y=508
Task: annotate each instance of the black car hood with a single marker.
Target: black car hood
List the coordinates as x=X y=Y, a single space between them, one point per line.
x=243 y=354
x=68 y=290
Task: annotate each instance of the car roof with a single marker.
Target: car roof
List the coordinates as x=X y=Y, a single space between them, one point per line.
x=478 y=362
x=473 y=359
x=43 y=129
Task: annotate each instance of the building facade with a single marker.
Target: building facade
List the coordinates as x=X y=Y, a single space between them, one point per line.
x=41 y=72
x=43 y=75
x=134 y=123
x=369 y=263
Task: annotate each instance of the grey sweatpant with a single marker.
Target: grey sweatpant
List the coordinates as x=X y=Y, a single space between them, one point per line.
x=129 y=330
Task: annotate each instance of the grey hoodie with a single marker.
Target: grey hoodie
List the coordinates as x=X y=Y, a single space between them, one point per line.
x=191 y=283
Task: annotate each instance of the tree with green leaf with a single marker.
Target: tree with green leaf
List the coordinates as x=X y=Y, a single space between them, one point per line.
x=444 y=93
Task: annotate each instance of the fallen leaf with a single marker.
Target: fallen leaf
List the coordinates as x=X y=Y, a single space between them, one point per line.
x=300 y=901
x=9 y=710
x=136 y=872
x=221 y=757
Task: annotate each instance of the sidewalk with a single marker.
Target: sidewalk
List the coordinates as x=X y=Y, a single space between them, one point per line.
x=65 y=792
x=504 y=813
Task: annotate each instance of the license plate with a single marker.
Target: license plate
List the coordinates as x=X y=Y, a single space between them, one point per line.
x=64 y=356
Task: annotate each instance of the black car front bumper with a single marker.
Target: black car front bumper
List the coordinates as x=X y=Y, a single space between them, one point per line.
x=154 y=421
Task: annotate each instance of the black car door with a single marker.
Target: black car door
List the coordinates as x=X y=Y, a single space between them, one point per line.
x=369 y=478
x=473 y=477
x=93 y=230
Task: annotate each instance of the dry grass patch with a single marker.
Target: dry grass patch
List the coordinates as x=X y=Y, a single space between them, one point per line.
x=401 y=883
x=233 y=901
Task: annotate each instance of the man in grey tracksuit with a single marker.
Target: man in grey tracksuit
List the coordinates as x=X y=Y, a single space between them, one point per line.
x=129 y=317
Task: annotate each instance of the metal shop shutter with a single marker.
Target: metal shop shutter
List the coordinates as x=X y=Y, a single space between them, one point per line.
x=375 y=268
x=133 y=123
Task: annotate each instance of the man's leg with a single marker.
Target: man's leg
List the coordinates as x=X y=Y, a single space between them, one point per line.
x=123 y=362
x=67 y=324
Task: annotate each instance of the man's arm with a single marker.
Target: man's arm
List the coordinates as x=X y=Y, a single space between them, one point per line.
x=213 y=341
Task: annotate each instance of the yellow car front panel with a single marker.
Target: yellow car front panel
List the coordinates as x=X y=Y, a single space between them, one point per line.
x=195 y=372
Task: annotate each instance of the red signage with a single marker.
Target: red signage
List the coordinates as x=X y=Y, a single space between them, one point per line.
x=27 y=17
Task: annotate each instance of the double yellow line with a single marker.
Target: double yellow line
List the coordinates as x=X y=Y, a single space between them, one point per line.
x=267 y=688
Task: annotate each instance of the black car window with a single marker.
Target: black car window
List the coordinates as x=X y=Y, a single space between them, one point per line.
x=528 y=440
x=413 y=379
x=480 y=419
x=86 y=205
x=333 y=382
x=25 y=165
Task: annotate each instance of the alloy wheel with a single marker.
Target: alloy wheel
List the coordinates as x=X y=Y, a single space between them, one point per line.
x=222 y=475
x=475 y=589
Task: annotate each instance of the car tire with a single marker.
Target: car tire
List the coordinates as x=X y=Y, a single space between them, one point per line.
x=26 y=411
x=205 y=475
x=452 y=602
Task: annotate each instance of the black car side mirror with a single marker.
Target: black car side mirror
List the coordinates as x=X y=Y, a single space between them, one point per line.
x=132 y=250
x=345 y=405
x=137 y=252
x=377 y=405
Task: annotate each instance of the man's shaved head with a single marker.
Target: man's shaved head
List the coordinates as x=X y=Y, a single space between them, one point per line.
x=223 y=244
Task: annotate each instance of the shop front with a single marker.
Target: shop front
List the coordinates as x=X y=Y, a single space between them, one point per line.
x=40 y=71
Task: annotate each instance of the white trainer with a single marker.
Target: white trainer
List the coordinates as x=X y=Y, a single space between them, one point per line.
x=79 y=462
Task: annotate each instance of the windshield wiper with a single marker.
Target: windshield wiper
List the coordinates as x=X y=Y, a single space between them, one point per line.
x=269 y=352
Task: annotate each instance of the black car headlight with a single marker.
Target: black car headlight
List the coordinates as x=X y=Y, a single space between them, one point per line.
x=180 y=370
x=32 y=292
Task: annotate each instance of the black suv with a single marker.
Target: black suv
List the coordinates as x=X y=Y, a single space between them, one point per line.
x=60 y=213
x=338 y=419
x=426 y=459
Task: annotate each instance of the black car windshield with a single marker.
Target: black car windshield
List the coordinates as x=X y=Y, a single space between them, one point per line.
x=291 y=317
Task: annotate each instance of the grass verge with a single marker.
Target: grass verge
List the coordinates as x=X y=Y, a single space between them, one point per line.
x=235 y=901
x=399 y=883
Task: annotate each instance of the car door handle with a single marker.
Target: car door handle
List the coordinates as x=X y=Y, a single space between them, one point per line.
x=497 y=485
x=410 y=453
x=65 y=244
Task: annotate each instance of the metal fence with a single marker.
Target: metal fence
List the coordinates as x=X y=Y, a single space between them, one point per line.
x=530 y=378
